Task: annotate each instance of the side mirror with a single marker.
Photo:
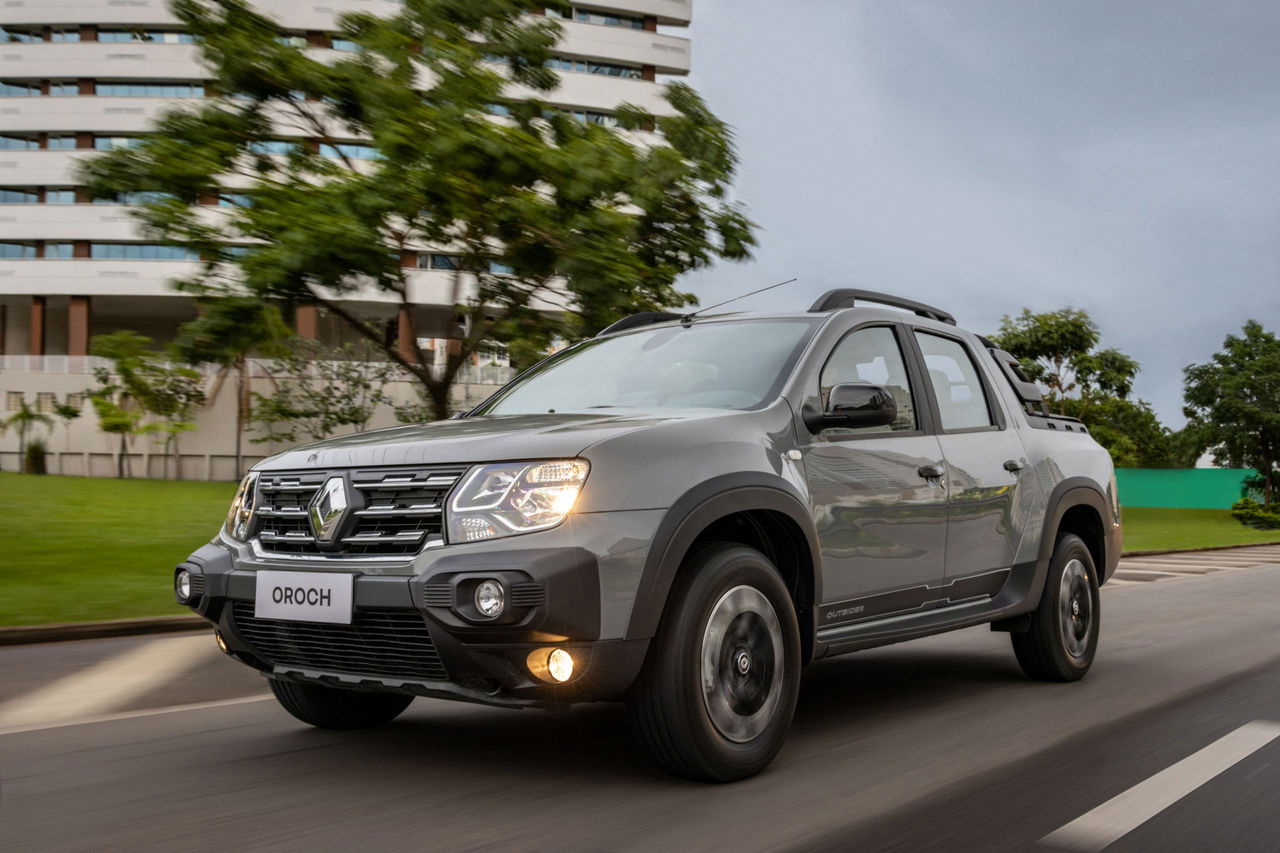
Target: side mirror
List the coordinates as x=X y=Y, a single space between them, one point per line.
x=852 y=405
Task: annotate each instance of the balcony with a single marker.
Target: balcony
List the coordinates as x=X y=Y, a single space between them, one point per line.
x=108 y=61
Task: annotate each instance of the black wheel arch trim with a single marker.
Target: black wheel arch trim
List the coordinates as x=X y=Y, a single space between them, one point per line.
x=1067 y=495
x=696 y=510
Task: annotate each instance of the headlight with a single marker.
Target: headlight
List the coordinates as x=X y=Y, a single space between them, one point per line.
x=241 y=513
x=515 y=497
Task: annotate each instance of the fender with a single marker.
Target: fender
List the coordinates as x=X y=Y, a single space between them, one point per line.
x=1072 y=492
x=691 y=514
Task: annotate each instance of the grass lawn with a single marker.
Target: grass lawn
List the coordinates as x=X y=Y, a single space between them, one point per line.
x=1158 y=529
x=77 y=549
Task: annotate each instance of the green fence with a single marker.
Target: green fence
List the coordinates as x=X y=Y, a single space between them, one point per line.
x=1186 y=488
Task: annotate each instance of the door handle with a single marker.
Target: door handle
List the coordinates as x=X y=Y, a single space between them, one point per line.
x=1013 y=466
x=930 y=472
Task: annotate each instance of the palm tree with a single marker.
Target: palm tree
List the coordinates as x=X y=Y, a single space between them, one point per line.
x=24 y=420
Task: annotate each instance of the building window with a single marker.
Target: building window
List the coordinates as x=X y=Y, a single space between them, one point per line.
x=273 y=146
x=448 y=263
x=140 y=252
x=151 y=90
x=501 y=269
x=60 y=195
x=10 y=35
x=13 y=400
x=23 y=251
x=155 y=36
x=345 y=44
x=18 y=196
x=59 y=251
x=61 y=143
x=45 y=401
x=292 y=41
x=589 y=66
x=64 y=88
x=606 y=19
x=234 y=200
x=593 y=117
x=64 y=35
x=18 y=143
x=75 y=400
x=9 y=89
x=113 y=143
x=135 y=197
x=350 y=150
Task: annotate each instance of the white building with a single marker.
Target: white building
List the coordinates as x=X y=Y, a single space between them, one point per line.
x=79 y=76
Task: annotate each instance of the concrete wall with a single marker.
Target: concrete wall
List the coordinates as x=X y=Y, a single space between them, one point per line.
x=207 y=454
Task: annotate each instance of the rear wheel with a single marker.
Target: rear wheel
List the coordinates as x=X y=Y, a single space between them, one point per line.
x=331 y=708
x=1063 y=637
x=717 y=692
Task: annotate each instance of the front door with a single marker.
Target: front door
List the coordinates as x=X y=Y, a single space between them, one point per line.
x=879 y=513
x=989 y=510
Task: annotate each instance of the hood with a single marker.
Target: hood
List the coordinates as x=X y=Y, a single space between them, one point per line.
x=495 y=438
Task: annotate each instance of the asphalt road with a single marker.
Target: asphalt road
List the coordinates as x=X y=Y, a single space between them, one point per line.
x=940 y=744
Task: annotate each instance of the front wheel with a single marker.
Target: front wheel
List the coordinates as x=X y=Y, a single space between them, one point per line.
x=1063 y=635
x=332 y=708
x=718 y=689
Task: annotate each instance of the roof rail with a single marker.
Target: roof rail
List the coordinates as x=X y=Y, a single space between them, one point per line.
x=642 y=318
x=833 y=299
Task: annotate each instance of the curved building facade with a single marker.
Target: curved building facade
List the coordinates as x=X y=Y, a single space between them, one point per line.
x=83 y=76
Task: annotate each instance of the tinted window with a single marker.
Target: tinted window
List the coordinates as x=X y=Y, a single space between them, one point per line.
x=717 y=365
x=962 y=403
x=871 y=355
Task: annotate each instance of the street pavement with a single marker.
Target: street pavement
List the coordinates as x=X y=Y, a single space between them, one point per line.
x=1171 y=743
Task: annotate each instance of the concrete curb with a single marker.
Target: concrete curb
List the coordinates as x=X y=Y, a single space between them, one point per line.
x=23 y=634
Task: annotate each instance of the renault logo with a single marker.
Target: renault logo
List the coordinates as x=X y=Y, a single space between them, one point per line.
x=328 y=508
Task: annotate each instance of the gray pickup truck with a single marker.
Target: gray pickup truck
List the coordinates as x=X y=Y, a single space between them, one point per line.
x=680 y=513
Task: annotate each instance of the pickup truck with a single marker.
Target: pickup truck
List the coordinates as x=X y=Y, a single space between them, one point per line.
x=679 y=513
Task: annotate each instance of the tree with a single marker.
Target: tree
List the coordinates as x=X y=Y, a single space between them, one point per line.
x=566 y=223
x=322 y=389
x=226 y=334
x=141 y=382
x=66 y=413
x=24 y=421
x=1057 y=349
x=1233 y=404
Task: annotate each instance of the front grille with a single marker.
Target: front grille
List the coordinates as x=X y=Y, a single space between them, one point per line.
x=384 y=643
x=392 y=512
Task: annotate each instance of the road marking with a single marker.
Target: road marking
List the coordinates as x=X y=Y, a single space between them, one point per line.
x=129 y=715
x=1126 y=812
x=108 y=684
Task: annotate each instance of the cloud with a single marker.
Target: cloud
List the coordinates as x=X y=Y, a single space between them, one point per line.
x=985 y=156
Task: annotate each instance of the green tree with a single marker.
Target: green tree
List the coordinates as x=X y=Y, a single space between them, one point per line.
x=227 y=333
x=23 y=422
x=322 y=389
x=565 y=223
x=1233 y=404
x=66 y=413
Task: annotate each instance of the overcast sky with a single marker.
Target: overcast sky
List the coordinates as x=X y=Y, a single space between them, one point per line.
x=983 y=156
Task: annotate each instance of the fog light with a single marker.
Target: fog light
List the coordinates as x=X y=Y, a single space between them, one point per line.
x=490 y=599
x=217 y=638
x=560 y=665
x=182 y=586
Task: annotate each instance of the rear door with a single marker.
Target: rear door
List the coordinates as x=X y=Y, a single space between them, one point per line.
x=881 y=522
x=984 y=458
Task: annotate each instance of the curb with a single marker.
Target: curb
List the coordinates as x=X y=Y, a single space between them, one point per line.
x=1154 y=553
x=17 y=635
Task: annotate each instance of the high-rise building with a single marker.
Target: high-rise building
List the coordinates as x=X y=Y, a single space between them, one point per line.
x=79 y=76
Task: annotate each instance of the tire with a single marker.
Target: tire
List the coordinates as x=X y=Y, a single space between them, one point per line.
x=332 y=708
x=728 y=616
x=1063 y=636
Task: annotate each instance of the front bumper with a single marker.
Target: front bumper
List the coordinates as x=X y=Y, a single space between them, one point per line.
x=410 y=634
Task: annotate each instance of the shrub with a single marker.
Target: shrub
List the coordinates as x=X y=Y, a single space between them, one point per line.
x=35 y=463
x=1251 y=514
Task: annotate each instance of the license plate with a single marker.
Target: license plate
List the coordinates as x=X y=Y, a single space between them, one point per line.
x=304 y=596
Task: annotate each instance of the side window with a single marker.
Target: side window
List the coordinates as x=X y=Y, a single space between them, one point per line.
x=962 y=403
x=871 y=355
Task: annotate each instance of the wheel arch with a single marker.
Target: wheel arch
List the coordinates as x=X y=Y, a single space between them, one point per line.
x=757 y=511
x=1077 y=505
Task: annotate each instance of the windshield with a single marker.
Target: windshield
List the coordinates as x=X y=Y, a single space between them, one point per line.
x=713 y=365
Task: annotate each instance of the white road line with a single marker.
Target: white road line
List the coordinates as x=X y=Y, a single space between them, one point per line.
x=1126 y=812
x=129 y=715
x=106 y=685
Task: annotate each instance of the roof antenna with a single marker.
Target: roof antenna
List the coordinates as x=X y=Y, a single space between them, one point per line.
x=687 y=317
